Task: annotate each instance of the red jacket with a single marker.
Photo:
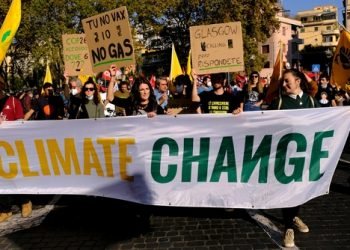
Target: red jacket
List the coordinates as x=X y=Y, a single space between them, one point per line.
x=12 y=109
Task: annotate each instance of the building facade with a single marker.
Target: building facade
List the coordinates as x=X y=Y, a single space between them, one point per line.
x=286 y=38
x=320 y=27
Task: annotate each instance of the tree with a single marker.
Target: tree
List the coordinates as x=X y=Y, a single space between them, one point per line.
x=171 y=20
x=39 y=37
x=44 y=21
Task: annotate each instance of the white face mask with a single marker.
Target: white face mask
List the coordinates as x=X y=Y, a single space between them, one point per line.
x=74 y=91
x=209 y=83
x=90 y=97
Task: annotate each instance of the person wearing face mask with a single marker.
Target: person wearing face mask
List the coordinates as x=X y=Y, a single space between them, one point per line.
x=72 y=93
x=47 y=107
x=206 y=85
x=90 y=106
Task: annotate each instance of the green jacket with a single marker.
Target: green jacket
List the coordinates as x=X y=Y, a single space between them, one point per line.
x=287 y=102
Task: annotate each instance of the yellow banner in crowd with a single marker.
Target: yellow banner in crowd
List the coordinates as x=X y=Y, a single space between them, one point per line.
x=341 y=62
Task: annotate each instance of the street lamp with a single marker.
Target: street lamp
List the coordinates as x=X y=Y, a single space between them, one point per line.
x=329 y=55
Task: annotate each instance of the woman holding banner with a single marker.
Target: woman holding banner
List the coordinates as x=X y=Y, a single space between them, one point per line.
x=141 y=101
x=293 y=95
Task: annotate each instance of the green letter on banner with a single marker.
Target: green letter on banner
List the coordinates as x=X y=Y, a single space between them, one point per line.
x=226 y=149
x=281 y=155
x=189 y=158
x=317 y=154
x=250 y=161
x=156 y=160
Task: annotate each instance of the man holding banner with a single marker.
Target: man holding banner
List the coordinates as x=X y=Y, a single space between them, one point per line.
x=216 y=100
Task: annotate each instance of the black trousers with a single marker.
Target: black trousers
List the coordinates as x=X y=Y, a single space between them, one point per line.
x=288 y=216
x=7 y=200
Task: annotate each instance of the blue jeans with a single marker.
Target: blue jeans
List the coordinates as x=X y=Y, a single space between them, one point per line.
x=250 y=106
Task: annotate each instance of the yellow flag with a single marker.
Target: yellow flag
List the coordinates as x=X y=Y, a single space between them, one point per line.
x=84 y=78
x=9 y=27
x=48 y=77
x=341 y=62
x=272 y=91
x=175 y=68
x=189 y=66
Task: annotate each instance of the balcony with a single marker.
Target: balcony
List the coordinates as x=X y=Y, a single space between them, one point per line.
x=331 y=32
x=329 y=44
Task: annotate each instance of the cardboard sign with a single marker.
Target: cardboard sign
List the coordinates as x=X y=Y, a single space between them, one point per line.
x=217 y=48
x=76 y=55
x=109 y=39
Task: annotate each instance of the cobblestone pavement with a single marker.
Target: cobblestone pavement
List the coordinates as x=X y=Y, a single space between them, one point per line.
x=77 y=222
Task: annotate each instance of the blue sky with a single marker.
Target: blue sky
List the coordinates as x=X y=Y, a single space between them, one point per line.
x=299 y=5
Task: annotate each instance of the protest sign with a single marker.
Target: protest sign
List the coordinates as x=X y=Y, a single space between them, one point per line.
x=109 y=39
x=76 y=55
x=217 y=48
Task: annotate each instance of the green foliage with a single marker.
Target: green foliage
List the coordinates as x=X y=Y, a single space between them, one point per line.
x=171 y=20
x=44 y=22
x=39 y=37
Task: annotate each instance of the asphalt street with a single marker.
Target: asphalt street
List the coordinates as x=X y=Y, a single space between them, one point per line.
x=80 y=222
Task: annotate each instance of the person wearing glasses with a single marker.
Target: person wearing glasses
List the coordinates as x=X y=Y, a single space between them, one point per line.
x=293 y=96
x=253 y=93
x=91 y=106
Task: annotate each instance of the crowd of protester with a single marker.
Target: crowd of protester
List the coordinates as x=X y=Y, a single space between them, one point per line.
x=113 y=96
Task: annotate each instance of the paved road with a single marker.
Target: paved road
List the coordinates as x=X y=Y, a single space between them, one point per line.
x=77 y=222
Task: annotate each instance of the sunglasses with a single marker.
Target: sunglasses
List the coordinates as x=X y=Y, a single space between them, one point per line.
x=91 y=89
x=255 y=76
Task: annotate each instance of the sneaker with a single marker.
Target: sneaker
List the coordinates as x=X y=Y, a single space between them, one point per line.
x=27 y=209
x=288 y=240
x=300 y=225
x=5 y=216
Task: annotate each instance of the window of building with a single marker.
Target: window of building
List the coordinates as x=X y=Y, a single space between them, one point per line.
x=329 y=27
x=327 y=39
x=317 y=18
x=266 y=49
x=302 y=30
x=329 y=16
x=267 y=65
x=303 y=19
x=316 y=29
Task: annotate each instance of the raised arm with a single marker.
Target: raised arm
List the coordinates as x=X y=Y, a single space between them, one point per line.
x=110 y=89
x=195 y=96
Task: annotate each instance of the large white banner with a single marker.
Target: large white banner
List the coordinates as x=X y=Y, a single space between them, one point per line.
x=267 y=159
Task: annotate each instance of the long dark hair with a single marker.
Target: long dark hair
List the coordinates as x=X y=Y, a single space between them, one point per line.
x=96 y=93
x=298 y=74
x=258 y=84
x=136 y=97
